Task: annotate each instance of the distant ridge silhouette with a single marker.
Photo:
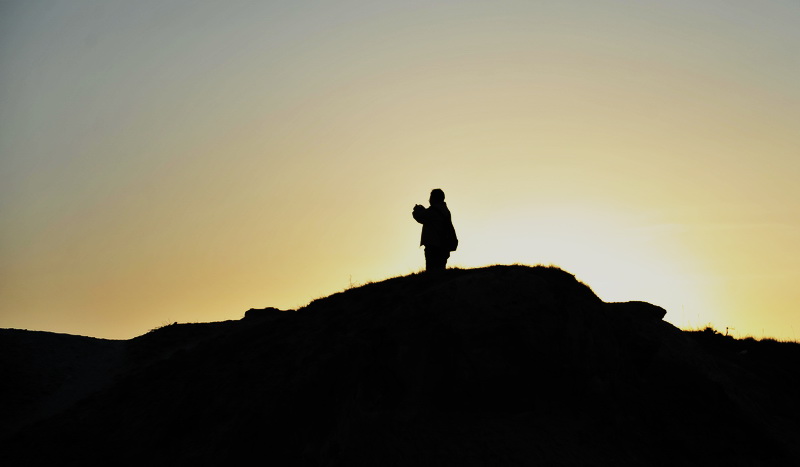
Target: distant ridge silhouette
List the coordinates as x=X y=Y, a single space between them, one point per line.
x=502 y=365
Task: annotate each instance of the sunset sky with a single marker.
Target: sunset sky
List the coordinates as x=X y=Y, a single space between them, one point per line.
x=166 y=161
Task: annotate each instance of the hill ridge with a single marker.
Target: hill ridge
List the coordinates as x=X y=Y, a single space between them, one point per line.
x=487 y=366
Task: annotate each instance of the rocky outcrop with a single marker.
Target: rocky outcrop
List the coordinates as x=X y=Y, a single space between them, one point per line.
x=261 y=314
x=638 y=310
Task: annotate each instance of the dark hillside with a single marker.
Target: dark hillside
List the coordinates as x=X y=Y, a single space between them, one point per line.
x=42 y=372
x=504 y=365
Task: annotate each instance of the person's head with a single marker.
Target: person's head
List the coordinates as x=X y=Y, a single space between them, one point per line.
x=437 y=196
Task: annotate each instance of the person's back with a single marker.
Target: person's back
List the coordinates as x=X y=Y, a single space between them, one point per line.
x=438 y=235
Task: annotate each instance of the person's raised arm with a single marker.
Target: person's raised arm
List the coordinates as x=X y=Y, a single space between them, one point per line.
x=420 y=213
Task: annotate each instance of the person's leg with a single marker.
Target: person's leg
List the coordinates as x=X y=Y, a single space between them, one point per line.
x=436 y=259
x=443 y=258
x=429 y=259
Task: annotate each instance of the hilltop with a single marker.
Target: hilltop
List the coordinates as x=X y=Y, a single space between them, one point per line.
x=503 y=365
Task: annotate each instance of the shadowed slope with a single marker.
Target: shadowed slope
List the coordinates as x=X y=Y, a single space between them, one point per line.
x=505 y=365
x=42 y=373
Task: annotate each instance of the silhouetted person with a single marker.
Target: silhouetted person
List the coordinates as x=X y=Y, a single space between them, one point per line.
x=438 y=234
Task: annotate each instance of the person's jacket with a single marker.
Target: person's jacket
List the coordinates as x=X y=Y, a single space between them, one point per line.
x=437 y=226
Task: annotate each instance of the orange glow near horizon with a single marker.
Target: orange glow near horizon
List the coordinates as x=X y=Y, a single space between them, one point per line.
x=186 y=162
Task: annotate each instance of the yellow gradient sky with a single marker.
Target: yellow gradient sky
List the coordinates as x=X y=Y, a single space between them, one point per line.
x=188 y=160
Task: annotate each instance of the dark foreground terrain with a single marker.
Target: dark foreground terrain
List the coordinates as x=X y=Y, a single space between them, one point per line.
x=498 y=366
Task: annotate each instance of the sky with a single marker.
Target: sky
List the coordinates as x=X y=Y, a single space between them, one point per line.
x=184 y=161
